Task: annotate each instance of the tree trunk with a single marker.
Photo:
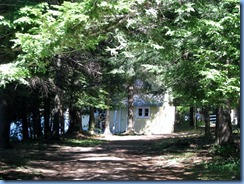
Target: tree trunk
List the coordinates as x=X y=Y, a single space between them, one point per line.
x=177 y=117
x=37 y=122
x=4 y=121
x=55 y=133
x=61 y=117
x=57 y=117
x=224 y=127
x=31 y=129
x=58 y=109
x=107 y=124
x=191 y=116
x=107 y=118
x=238 y=110
x=47 y=129
x=91 y=121
x=75 y=121
x=24 y=120
x=206 y=121
x=130 y=127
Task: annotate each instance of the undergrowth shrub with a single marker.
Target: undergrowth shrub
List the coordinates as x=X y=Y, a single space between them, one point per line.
x=226 y=159
x=228 y=150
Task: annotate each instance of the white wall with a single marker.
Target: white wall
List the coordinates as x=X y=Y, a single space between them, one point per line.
x=85 y=122
x=162 y=122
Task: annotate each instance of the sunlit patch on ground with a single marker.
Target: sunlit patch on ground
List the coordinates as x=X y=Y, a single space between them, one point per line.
x=161 y=157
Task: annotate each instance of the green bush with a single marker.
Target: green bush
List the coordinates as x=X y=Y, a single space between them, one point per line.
x=226 y=159
x=230 y=166
x=225 y=150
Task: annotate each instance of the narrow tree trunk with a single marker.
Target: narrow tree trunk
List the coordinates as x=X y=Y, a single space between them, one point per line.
x=91 y=121
x=206 y=121
x=56 y=135
x=238 y=110
x=58 y=110
x=107 y=122
x=177 y=117
x=24 y=120
x=31 y=128
x=4 y=121
x=107 y=118
x=224 y=129
x=58 y=113
x=216 y=123
x=61 y=117
x=130 y=127
x=191 y=116
x=47 y=129
x=37 y=122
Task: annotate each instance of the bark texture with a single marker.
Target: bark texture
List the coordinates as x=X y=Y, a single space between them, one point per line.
x=223 y=126
x=4 y=120
x=130 y=123
x=206 y=121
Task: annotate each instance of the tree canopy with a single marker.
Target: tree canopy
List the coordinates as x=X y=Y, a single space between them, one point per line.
x=75 y=50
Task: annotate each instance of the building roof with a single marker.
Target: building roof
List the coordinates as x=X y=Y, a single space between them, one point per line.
x=146 y=100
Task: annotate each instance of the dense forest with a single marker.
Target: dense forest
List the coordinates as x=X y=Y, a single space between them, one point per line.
x=83 y=55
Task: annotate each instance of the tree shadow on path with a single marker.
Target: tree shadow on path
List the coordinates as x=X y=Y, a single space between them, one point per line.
x=164 y=157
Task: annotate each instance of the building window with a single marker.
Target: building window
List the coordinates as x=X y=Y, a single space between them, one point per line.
x=143 y=112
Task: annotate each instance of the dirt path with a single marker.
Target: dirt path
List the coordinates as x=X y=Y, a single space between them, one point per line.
x=120 y=158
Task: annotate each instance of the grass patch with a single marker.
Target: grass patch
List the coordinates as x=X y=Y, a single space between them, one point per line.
x=81 y=142
x=226 y=169
x=47 y=144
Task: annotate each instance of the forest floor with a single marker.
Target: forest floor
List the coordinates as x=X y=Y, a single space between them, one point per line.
x=178 y=156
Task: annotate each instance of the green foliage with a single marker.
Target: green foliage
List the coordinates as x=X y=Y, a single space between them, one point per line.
x=228 y=150
x=208 y=67
x=231 y=166
x=12 y=72
x=95 y=99
x=226 y=160
x=190 y=47
x=5 y=22
x=61 y=28
x=44 y=31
